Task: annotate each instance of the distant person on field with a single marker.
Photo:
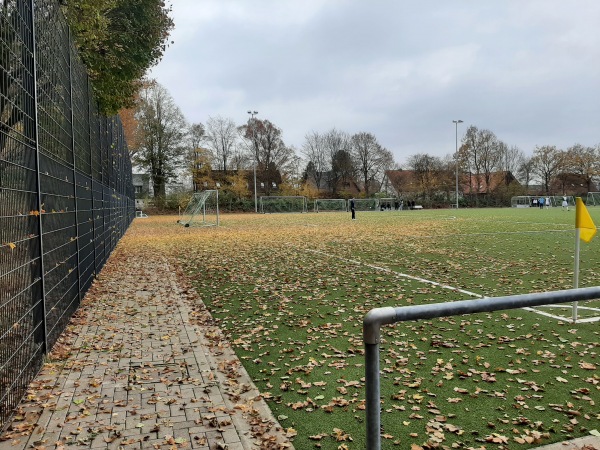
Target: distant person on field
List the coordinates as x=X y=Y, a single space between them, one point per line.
x=565 y=203
x=535 y=203
x=541 y=202
x=547 y=203
x=352 y=209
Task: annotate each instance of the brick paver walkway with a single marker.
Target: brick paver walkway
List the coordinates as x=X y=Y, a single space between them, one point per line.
x=142 y=366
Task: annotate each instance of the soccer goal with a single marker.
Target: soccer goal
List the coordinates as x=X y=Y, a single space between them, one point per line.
x=331 y=204
x=593 y=199
x=387 y=204
x=521 y=201
x=366 y=204
x=283 y=204
x=202 y=210
x=557 y=200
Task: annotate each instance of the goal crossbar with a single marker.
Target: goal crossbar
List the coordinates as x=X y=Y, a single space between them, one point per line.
x=283 y=204
x=202 y=209
x=331 y=204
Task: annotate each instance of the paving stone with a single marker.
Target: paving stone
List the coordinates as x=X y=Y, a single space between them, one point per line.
x=132 y=322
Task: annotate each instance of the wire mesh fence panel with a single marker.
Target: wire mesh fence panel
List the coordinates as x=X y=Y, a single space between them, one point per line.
x=66 y=195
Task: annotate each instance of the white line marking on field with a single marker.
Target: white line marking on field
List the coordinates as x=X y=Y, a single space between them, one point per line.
x=568 y=319
x=462 y=291
x=398 y=274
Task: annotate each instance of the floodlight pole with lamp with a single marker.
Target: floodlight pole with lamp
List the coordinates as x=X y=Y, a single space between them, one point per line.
x=456 y=122
x=252 y=114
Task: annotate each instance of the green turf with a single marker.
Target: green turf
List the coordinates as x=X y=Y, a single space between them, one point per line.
x=290 y=291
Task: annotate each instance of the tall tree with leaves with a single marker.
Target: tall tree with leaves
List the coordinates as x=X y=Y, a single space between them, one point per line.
x=162 y=135
x=118 y=40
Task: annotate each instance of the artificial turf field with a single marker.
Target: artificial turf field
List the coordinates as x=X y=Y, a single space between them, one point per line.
x=291 y=290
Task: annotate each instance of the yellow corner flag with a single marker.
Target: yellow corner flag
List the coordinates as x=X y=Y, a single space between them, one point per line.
x=583 y=221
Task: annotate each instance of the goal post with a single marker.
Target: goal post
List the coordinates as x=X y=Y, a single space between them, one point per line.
x=331 y=204
x=283 y=204
x=557 y=200
x=593 y=199
x=526 y=201
x=388 y=203
x=202 y=210
x=366 y=204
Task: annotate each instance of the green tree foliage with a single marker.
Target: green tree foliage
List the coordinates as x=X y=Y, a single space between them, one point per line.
x=163 y=136
x=118 y=40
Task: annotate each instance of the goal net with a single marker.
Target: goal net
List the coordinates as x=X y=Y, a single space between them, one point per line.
x=526 y=201
x=366 y=204
x=283 y=204
x=388 y=204
x=202 y=210
x=557 y=200
x=593 y=199
x=331 y=204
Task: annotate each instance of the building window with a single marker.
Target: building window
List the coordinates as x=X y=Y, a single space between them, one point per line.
x=138 y=189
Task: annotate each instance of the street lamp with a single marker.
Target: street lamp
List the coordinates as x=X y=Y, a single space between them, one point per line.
x=456 y=122
x=252 y=114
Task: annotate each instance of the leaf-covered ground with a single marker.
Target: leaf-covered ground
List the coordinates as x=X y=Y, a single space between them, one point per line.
x=290 y=292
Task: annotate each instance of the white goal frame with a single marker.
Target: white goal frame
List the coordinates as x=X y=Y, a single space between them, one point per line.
x=558 y=199
x=387 y=203
x=331 y=205
x=524 y=201
x=202 y=210
x=592 y=199
x=366 y=204
x=270 y=204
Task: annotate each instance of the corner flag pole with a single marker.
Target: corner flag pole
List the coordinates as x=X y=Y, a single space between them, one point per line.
x=585 y=231
x=576 y=270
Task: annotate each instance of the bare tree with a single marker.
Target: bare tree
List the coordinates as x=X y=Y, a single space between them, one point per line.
x=221 y=138
x=270 y=152
x=427 y=170
x=525 y=172
x=315 y=151
x=584 y=161
x=369 y=157
x=547 y=162
x=511 y=158
x=196 y=135
x=337 y=145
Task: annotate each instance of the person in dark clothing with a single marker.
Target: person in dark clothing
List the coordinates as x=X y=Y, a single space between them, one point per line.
x=352 y=209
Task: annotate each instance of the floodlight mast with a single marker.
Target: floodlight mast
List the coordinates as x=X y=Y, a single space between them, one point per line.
x=456 y=122
x=252 y=114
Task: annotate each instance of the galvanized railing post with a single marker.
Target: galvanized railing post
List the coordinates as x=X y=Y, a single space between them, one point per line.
x=377 y=317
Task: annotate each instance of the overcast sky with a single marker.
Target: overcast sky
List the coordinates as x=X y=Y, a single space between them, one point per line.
x=528 y=70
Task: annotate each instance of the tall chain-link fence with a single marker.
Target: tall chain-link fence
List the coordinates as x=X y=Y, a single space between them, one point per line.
x=66 y=195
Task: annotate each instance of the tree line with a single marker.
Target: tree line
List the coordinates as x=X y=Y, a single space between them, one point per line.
x=118 y=40
x=332 y=163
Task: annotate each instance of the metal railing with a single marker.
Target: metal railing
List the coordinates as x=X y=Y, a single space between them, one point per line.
x=377 y=317
x=66 y=195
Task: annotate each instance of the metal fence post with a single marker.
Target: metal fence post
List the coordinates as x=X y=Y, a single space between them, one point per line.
x=40 y=310
x=72 y=108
